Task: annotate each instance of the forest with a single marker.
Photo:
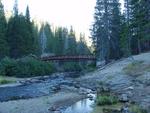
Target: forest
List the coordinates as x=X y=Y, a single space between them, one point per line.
x=22 y=37
x=115 y=33
x=118 y=32
x=113 y=77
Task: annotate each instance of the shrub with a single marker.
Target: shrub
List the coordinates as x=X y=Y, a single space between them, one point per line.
x=8 y=67
x=25 y=67
x=106 y=100
x=5 y=81
x=72 y=66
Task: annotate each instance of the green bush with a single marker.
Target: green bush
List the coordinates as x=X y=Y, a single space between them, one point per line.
x=8 y=67
x=25 y=67
x=106 y=100
x=72 y=66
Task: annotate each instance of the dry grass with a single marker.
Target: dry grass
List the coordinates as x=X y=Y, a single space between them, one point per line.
x=4 y=80
x=137 y=68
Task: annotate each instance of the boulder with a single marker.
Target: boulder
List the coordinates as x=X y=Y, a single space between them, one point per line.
x=77 y=86
x=52 y=108
x=56 y=88
x=90 y=97
x=124 y=98
x=125 y=109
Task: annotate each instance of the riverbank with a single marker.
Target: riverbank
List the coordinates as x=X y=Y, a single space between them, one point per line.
x=42 y=104
x=133 y=87
x=61 y=89
x=44 y=94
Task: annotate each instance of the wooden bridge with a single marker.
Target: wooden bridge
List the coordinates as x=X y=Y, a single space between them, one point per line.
x=69 y=58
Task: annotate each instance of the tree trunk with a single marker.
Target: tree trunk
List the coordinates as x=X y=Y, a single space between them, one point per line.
x=139 y=46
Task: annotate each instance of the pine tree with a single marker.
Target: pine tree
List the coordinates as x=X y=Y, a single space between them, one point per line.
x=72 y=45
x=3 y=26
x=139 y=25
x=124 y=42
x=115 y=29
x=27 y=14
x=59 y=40
x=30 y=35
x=100 y=33
x=128 y=22
x=106 y=29
x=50 y=38
x=15 y=8
x=82 y=48
x=20 y=34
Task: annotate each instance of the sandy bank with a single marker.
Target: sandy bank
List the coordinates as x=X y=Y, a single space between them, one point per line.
x=40 y=105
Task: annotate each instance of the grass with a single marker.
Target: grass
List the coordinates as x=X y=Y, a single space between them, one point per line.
x=118 y=106
x=4 y=80
x=137 y=109
x=106 y=100
x=137 y=68
x=108 y=103
x=99 y=109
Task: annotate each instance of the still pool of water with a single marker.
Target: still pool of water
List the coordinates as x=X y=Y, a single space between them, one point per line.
x=83 y=106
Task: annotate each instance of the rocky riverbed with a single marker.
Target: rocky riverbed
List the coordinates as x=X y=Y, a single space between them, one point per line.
x=128 y=88
x=55 y=93
x=45 y=94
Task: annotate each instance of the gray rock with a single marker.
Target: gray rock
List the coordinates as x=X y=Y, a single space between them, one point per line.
x=130 y=88
x=124 y=98
x=77 y=86
x=125 y=110
x=52 y=109
x=56 y=88
x=90 y=97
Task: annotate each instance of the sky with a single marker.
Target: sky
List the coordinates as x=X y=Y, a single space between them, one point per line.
x=78 y=13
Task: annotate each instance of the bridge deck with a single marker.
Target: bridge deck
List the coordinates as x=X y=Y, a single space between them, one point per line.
x=80 y=57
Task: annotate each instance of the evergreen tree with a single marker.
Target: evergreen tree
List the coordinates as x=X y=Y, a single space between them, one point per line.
x=128 y=22
x=27 y=14
x=15 y=8
x=124 y=42
x=3 y=26
x=115 y=30
x=72 y=45
x=59 y=40
x=36 y=44
x=66 y=40
x=20 y=34
x=82 y=48
x=50 y=38
x=106 y=29
x=138 y=25
x=30 y=35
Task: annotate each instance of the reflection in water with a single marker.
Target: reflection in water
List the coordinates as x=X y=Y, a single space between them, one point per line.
x=84 y=106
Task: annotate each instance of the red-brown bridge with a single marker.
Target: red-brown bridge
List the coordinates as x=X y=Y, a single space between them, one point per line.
x=68 y=58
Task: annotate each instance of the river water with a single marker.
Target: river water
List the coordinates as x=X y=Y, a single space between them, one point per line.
x=83 y=106
x=32 y=90
x=43 y=88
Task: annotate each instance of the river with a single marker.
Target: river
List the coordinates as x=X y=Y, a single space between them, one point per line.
x=85 y=105
x=46 y=88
